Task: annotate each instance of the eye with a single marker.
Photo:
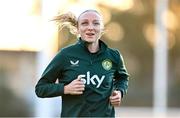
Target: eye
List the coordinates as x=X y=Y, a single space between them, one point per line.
x=96 y=23
x=84 y=23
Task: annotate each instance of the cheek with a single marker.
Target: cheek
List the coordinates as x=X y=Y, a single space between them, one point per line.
x=98 y=31
x=81 y=29
x=98 y=28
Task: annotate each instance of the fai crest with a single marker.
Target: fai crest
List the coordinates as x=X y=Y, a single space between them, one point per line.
x=107 y=64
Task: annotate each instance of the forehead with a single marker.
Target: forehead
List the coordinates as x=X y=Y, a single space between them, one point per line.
x=90 y=15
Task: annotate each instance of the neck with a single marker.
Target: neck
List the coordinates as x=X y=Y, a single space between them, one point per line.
x=93 y=47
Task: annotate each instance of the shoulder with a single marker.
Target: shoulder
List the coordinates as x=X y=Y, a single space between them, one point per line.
x=116 y=56
x=115 y=53
x=112 y=52
x=69 y=49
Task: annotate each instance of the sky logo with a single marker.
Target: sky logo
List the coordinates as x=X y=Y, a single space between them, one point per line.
x=94 y=79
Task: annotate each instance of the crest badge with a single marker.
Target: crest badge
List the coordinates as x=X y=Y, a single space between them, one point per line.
x=107 y=64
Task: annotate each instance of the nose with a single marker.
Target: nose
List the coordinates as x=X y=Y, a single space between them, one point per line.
x=90 y=27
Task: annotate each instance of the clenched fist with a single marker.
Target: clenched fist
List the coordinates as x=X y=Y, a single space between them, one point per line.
x=76 y=87
x=115 y=98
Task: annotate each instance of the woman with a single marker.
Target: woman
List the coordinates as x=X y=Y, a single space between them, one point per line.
x=92 y=77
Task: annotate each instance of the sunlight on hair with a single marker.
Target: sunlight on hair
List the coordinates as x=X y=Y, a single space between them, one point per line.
x=77 y=9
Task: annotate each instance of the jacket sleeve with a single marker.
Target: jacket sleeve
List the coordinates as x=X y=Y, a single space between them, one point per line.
x=46 y=86
x=121 y=76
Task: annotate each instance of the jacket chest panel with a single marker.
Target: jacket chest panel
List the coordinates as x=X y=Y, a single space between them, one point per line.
x=92 y=72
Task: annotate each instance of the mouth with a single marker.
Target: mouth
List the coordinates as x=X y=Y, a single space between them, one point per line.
x=90 y=34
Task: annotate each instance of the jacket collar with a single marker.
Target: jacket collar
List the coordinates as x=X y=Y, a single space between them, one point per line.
x=103 y=46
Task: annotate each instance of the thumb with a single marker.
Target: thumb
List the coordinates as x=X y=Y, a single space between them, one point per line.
x=79 y=77
x=114 y=93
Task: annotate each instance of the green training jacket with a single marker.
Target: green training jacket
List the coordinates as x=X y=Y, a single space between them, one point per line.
x=102 y=72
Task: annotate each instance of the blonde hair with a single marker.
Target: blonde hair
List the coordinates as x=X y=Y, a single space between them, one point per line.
x=70 y=21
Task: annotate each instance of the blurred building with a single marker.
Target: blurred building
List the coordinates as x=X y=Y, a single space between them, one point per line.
x=17 y=72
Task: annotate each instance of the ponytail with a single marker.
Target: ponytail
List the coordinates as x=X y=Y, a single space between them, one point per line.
x=68 y=20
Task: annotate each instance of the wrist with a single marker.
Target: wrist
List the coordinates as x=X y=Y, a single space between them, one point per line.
x=66 y=89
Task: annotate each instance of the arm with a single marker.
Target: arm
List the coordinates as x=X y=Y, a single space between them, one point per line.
x=46 y=86
x=120 y=83
x=121 y=77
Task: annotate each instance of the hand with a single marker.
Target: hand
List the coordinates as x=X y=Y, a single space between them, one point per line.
x=115 y=98
x=76 y=87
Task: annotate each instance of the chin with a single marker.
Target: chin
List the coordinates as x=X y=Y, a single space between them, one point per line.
x=90 y=40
